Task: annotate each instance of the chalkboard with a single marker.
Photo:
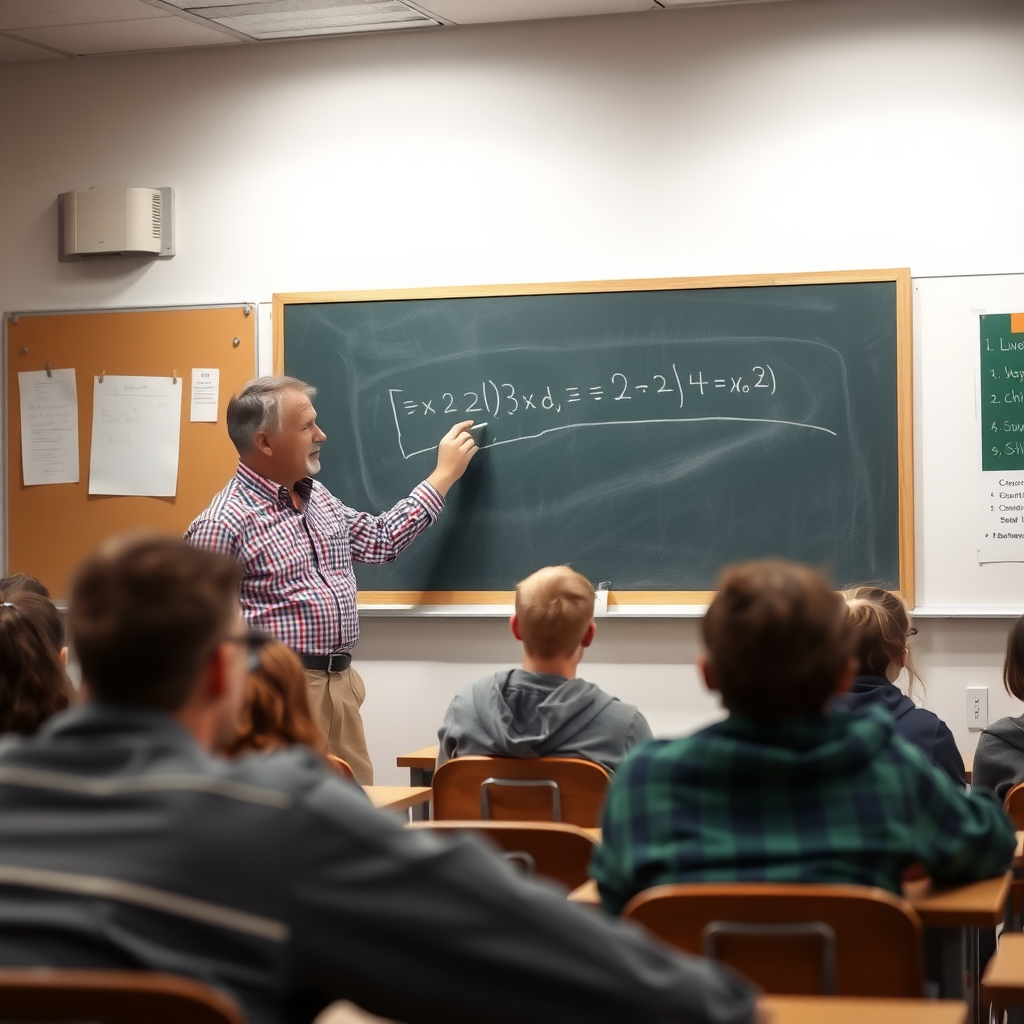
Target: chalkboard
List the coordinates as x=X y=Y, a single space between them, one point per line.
x=647 y=433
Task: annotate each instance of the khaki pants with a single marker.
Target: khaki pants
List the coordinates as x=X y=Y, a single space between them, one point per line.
x=335 y=699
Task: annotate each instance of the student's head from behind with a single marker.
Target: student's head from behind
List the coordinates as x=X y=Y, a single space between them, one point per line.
x=777 y=641
x=33 y=684
x=1013 y=663
x=20 y=583
x=272 y=424
x=276 y=713
x=554 y=615
x=881 y=630
x=155 y=625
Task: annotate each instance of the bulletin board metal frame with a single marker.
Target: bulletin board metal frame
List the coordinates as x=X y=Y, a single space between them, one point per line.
x=644 y=601
x=49 y=528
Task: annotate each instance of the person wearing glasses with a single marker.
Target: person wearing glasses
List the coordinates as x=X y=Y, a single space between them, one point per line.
x=128 y=844
x=296 y=543
x=882 y=632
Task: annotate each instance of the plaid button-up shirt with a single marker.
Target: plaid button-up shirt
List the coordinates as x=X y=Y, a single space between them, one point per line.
x=298 y=582
x=833 y=798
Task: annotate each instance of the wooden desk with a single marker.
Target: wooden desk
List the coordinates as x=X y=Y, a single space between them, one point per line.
x=396 y=798
x=586 y=893
x=1018 y=854
x=847 y=1010
x=1004 y=977
x=978 y=905
x=421 y=772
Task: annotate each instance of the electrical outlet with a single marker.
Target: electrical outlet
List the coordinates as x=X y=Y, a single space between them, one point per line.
x=977 y=707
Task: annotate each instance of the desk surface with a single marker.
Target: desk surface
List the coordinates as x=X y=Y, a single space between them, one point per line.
x=1004 y=976
x=1018 y=854
x=396 y=798
x=848 y=1010
x=977 y=905
x=425 y=757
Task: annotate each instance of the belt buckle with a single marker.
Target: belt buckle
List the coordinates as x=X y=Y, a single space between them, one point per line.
x=330 y=661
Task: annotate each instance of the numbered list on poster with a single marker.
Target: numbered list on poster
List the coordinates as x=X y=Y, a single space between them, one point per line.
x=1001 y=494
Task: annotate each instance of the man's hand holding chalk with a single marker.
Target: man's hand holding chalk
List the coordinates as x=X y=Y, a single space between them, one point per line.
x=454 y=453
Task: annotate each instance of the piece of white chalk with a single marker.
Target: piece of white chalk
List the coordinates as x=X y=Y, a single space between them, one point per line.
x=476 y=426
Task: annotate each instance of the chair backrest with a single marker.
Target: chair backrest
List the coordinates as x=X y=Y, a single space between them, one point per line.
x=462 y=785
x=1014 y=805
x=111 y=997
x=554 y=849
x=790 y=938
x=341 y=766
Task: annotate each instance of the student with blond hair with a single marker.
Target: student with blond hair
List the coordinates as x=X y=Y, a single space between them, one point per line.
x=542 y=709
x=881 y=631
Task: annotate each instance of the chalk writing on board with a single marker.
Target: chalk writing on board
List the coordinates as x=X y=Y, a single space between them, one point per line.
x=675 y=396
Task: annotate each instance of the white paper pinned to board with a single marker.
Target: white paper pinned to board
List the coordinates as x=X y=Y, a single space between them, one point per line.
x=136 y=431
x=49 y=427
x=205 y=394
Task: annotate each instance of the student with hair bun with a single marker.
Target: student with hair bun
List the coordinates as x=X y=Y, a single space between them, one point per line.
x=33 y=683
x=999 y=759
x=882 y=630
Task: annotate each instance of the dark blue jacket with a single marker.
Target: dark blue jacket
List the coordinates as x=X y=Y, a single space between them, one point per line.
x=914 y=724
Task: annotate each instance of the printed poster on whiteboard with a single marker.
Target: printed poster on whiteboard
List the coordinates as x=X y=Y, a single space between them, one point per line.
x=1001 y=491
x=136 y=430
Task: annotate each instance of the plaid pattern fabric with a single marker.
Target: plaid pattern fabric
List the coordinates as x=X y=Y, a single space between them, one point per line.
x=298 y=582
x=835 y=798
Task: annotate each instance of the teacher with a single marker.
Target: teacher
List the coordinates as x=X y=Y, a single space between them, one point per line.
x=296 y=543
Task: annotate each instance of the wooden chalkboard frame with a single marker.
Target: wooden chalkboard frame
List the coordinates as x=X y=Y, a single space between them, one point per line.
x=904 y=401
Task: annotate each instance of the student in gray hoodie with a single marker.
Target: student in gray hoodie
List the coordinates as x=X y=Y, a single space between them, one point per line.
x=999 y=759
x=542 y=709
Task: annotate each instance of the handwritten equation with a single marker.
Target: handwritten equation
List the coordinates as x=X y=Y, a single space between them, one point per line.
x=513 y=409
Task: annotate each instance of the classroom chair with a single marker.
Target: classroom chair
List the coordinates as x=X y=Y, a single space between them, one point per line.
x=794 y=939
x=520 y=789
x=111 y=997
x=546 y=849
x=1014 y=807
x=1002 y=985
x=341 y=766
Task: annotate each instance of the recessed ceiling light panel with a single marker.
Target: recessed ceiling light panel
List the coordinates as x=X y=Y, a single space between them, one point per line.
x=287 y=19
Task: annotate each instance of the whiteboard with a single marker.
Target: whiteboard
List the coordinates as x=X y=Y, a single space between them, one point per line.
x=947 y=448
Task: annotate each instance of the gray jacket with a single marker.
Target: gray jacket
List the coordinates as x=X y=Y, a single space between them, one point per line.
x=527 y=714
x=124 y=845
x=999 y=759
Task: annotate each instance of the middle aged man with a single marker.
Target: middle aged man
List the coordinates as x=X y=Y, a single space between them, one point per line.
x=126 y=844
x=296 y=543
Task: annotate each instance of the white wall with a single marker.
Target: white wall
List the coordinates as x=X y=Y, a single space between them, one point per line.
x=774 y=137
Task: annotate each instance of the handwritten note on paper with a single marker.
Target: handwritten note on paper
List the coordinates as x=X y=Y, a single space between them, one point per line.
x=49 y=427
x=205 y=391
x=136 y=427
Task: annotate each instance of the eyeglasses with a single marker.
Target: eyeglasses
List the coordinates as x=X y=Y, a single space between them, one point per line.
x=253 y=639
x=913 y=632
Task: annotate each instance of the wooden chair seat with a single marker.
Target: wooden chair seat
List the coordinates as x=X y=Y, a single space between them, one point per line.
x=554 y=849
x=780 y=935
x=111 y=997
x=492 y=788
x=1014 y=806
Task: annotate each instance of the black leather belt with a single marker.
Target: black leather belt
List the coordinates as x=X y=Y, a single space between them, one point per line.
x=326 y=662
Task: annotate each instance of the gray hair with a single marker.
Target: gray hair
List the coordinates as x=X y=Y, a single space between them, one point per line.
x=258 y=407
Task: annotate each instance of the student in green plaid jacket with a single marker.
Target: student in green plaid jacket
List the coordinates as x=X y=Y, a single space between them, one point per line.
x=785 y=789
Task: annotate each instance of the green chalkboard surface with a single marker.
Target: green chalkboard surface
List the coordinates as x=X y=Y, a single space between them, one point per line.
x=647 y=435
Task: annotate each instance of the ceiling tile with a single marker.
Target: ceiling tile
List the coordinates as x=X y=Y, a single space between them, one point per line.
x=280 y=19
x=15 y=51
x=470 y=12
x=37 y=13
x=120 y=36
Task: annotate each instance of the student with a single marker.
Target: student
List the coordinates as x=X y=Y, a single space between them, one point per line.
x=785 y=789
x=999 y=759
x=21 y=582
x=542 y=709
x=882 y=630
x=127 y=844
x=33 y=683
x=276 y=712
